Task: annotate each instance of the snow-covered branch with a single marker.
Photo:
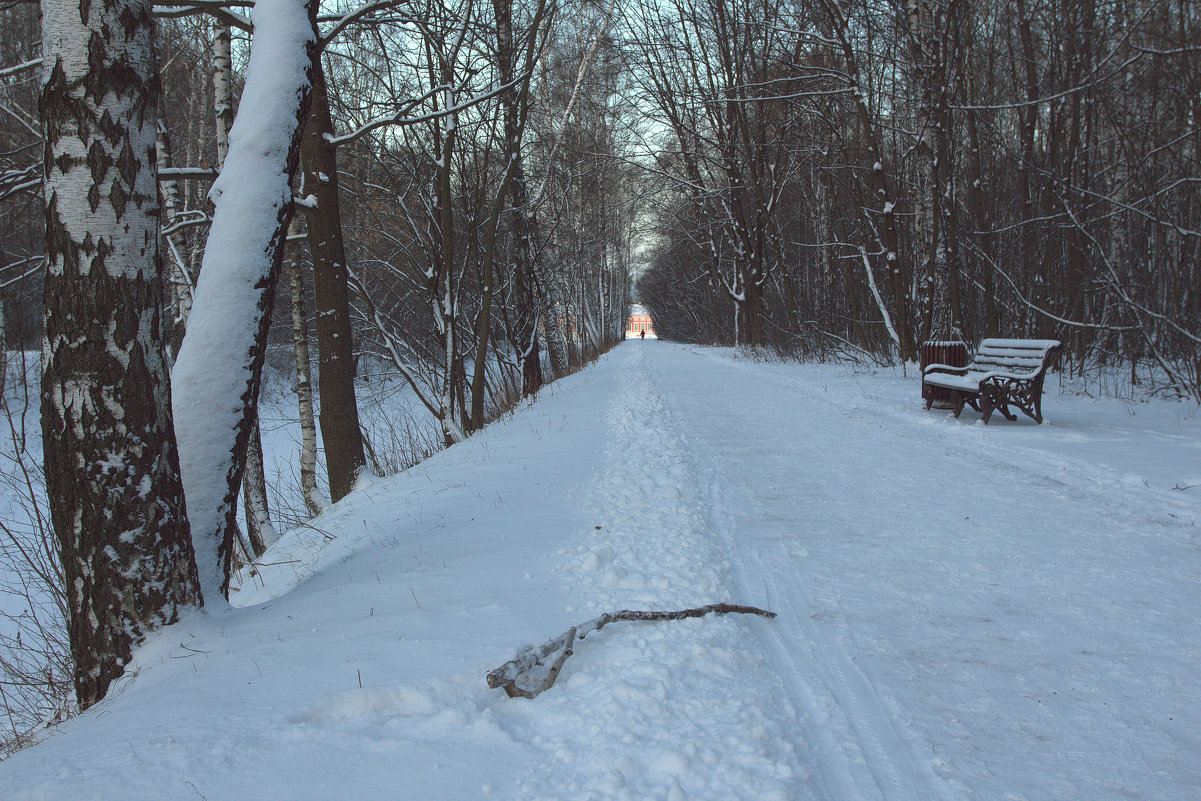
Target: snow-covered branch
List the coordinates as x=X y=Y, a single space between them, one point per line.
x=522 y=667
x=403 y=116
x=171 y=9
x=353 y=16
x=13 y=182
x=168 y=173
x=18 y=68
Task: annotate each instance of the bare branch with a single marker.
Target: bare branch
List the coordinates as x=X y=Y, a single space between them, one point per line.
x=521 y=666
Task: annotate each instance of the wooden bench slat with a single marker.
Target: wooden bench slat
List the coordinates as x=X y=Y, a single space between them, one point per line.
x=1025 y=344
x=952 y=381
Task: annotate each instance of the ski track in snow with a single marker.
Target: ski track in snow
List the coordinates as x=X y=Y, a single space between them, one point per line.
x=859 y=752
x=674 y=710
x=926 y=640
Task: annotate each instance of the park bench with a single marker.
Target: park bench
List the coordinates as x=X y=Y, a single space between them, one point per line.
x=1003 y=373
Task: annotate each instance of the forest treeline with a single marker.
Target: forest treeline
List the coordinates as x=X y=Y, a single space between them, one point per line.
x=864 y=175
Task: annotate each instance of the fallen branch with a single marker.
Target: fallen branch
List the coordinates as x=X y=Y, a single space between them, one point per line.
x=521 y=666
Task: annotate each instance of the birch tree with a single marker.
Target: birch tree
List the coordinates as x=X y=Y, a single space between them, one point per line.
x=313 y=500
x=116 y=500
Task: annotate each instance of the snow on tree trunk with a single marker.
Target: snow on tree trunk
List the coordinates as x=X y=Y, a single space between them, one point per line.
x=112 y=469
x=218 y=372
x=254 y=481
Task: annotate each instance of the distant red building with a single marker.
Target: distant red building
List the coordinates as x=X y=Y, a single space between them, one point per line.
x=640 y=321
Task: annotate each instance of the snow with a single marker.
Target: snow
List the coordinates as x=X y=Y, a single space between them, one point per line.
x=1000 y=612
x=213 y=372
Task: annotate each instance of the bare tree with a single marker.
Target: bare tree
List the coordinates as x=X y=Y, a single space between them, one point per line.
x=340 y=433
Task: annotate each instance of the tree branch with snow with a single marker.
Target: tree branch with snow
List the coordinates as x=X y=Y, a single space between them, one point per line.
x=521 y=669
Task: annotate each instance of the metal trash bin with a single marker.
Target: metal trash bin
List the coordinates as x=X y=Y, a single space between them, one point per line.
x=941 y=351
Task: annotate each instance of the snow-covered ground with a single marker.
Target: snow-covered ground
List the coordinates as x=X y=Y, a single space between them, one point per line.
x=965 y=612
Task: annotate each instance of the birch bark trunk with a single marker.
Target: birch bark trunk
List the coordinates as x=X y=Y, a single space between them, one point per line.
x=223 y=93
x=112 y=470
x=254 y=494
x=304 y=387
x=556 y=340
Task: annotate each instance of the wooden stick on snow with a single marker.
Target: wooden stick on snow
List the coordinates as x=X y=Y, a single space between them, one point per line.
x=508 y=674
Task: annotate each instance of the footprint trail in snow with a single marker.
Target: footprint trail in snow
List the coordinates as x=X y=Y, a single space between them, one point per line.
x=705 y=719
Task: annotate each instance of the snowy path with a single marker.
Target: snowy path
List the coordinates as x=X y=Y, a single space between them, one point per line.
x=943 y=640
x=936 y=640
x=680 y=710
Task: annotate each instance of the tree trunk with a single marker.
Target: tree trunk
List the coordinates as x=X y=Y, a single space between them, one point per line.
x=929 y=31
x=1031 y=253
x=254 y=496
x=750 y=316
x=304 y=387
x=179 y=279
x=525 y=288
x=483 y=322
x=976 y=203
x=514 y=103
x=557 y=318
x=339 y=415
x=223 y=92
x=112 y=469
x=3 y=337
x=219 y=370
x=886 y=229
x=443 y=288
x=254 y=482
